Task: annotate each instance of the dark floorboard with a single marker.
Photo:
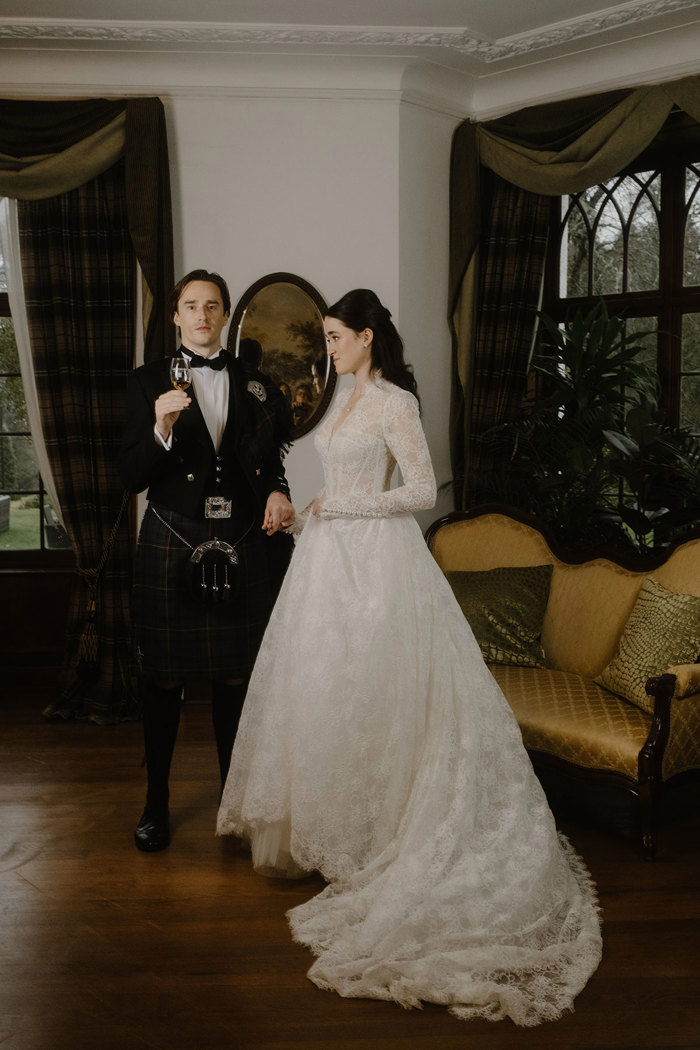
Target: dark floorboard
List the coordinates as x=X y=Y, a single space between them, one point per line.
x=106 y=948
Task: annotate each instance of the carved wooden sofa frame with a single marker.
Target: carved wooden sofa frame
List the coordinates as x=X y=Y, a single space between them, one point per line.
x=491 y=536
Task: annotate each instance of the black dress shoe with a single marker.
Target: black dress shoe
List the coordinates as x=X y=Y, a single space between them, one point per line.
x=152 y=832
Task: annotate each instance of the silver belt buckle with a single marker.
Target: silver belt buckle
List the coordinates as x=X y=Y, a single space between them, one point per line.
x=217 y=507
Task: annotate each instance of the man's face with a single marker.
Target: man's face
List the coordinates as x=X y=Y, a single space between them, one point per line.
x=200 y=317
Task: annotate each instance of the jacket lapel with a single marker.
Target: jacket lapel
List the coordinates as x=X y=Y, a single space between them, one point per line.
x=236 y=432
x=192 y=422
x=236 y=403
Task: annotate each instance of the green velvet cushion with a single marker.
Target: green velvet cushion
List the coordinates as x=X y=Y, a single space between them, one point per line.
x=505 y=608
x=663 y=629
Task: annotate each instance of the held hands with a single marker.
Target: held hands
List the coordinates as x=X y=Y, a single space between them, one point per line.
x=279 y=513
x=168 y=408
x=317 y=507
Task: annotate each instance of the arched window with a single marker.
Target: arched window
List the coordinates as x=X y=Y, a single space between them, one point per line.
x=634 y=241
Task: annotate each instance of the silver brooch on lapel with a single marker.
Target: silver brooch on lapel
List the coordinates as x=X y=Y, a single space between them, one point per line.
x=256 y=388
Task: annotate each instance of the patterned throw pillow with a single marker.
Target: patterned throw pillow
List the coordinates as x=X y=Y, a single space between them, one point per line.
x=663 y=629
x=505 y=608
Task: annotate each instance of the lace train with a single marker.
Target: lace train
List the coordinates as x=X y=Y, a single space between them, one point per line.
x=376 y=747
x=423 y=949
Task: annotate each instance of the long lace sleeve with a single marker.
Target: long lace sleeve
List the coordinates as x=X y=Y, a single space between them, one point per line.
x=302 y=517
x=405 y=439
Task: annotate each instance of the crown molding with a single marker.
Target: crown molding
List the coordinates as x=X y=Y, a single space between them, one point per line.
x=521 y=93
x=218 y=35
x=398 y=96
x=622 y=16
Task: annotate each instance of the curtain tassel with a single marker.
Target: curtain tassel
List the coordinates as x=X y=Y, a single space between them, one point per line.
x=89 y=643
x=88 y=646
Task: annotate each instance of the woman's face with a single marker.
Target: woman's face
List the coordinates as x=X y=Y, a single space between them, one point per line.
x=349 y=349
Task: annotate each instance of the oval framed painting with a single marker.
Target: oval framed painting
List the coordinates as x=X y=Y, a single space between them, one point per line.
x=278 y=324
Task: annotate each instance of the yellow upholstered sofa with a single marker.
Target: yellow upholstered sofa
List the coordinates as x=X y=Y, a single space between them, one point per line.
x=570 y=724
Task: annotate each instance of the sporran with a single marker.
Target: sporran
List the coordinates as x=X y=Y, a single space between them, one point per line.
x=213 y=571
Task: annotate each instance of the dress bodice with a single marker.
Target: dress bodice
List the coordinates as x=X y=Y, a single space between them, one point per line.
x=359 y=451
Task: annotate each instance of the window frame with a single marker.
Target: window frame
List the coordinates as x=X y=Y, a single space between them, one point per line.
x=676 y=146
x=33 y=558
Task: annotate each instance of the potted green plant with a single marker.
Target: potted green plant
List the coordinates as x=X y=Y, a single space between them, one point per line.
x=590 y=455
x=659 y=470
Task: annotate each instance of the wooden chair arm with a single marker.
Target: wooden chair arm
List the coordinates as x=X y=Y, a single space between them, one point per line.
x=687 y=680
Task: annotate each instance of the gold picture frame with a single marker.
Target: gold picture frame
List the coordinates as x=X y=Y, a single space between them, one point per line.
x=278 y=324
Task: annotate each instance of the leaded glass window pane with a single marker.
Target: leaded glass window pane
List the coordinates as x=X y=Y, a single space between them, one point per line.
x=21 y=523
x=690 y=403
x=18 y=467
x=575 y=251
x=643 y=231
x=690 y=373
x=645 y=329
x=691 y=251
x=608 y=250
x=22 y=500
x=690 y=354
x=610 y=237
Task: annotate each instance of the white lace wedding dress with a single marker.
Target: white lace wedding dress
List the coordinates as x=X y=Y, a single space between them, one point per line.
x=376 y=747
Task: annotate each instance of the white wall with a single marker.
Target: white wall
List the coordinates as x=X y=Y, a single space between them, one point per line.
x=317 y=167
x=290 y=185
x=424 y=185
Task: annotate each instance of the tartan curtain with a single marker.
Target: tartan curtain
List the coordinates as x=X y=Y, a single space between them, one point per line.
x=512 y=257
x=91 y=178
x=80 y=278
x=51 y=147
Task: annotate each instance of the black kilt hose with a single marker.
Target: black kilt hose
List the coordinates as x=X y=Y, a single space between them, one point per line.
x=178 y=635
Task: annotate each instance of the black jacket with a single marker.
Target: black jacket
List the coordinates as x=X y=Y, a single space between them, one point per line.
x=250 y=457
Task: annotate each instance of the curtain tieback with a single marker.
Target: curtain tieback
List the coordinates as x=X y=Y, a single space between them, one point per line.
x=88 y=646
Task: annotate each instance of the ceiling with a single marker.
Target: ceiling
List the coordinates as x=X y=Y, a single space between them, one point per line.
x=477 y=37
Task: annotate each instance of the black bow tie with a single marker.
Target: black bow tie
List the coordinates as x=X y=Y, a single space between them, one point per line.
x=197 y=361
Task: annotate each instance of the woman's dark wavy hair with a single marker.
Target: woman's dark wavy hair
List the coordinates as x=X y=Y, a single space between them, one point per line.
x=360 y=309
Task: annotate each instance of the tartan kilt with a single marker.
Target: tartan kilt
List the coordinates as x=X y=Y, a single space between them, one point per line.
x=180 y=637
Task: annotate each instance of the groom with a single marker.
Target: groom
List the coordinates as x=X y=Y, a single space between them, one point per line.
x=211 y=458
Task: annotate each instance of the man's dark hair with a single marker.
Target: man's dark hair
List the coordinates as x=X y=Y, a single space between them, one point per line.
x=200 y=275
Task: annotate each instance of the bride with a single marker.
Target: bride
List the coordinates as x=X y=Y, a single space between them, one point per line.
x=376 y=747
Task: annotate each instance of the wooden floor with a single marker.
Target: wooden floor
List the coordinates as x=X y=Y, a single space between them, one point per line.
x=106 y=948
